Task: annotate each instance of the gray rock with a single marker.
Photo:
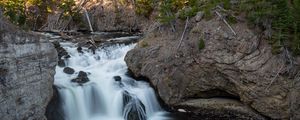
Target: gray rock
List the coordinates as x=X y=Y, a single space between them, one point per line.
x=117 y=78
x=81 y=78
x=79 y=49
x=61 y=63
x=199 y=16
x=27 y=66
x=213 y=108
x=242 y=67
x=68 y=70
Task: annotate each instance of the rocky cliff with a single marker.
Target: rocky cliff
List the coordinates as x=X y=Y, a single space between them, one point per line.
x=27 y=64
x=213 y=62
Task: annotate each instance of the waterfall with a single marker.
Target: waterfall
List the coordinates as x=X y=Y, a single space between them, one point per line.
x=109 y=94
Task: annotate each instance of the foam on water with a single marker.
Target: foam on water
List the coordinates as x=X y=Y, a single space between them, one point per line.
x=104 y=98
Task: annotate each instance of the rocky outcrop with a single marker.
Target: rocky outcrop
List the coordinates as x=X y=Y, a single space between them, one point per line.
x=240 y=67
x=27 y=64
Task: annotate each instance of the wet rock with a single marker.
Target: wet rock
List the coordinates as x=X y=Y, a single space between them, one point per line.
x=67 y=56
x=81 y=78
x=93 y=49
x=68 y=70
x=133 y=108
x=82 y=74
x=79 y=49
x=56 y=44
x=61 y=63
x=60 y=50
x=54 y=109
x=117 y=78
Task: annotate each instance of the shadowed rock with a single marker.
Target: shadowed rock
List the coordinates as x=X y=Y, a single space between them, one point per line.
x=61 y=63
x=81 y=78
x=117 y=78
x=133 y=108
x=68 y=70
x=79 y=49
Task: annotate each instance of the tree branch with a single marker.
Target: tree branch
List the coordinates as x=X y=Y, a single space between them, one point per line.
x=182 y=36
x=226 y=22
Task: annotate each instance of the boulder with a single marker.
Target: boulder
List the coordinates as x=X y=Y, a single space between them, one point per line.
x=81 y=78
x=68 y=70
x=27 y=68
x=239 y=66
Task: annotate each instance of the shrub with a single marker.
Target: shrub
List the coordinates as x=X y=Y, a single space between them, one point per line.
x=144 y=7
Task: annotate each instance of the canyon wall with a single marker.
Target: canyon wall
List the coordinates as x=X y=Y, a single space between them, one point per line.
x=27 y=68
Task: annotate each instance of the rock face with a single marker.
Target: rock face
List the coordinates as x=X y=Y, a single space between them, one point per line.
x=27 y=64
x=220 y=108
x=240 y=67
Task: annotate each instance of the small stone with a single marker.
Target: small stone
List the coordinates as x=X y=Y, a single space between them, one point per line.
x=62 y=53
x=93 y=49
x=67 y=56
x=79 y=49
x=117 y=78
x=61 y=63
x=56 y=44
x=68 y=70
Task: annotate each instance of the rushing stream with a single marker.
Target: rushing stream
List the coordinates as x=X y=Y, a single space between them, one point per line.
x=109 y=94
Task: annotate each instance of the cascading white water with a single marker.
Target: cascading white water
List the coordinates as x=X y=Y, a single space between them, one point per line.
x=105 y=96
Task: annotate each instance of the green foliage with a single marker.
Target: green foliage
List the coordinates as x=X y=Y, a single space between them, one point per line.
x=295 y=46
x=67 y=6
x=26 y=13
x=231 y=19
x=166 y=13
x=14 y=10
x=189 y=12
x=201 y=44
x=186 y=8
x=143 y=44
x=282 y=16
x=144 y=7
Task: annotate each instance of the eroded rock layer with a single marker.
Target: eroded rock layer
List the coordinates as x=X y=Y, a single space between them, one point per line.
x=238 y=66
x=27 y=67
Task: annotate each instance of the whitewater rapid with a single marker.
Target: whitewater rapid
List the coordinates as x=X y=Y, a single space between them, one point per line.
x=104 y=97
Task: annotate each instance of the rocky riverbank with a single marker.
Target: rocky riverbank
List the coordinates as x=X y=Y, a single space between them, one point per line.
x=213 y=62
